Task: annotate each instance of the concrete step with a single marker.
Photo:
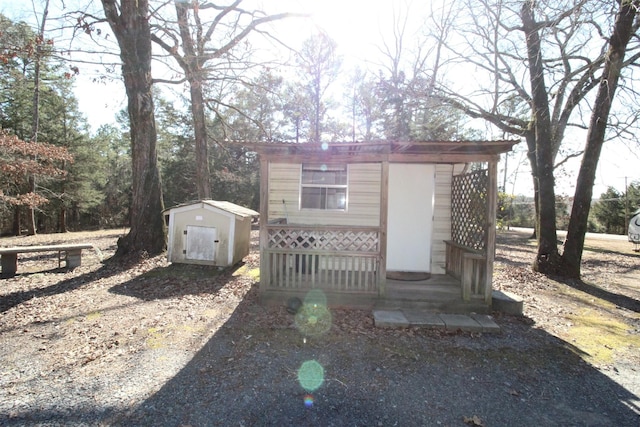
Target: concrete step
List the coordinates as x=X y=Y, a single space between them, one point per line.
x=455 y=306
x=507 y=303
x=425 y=319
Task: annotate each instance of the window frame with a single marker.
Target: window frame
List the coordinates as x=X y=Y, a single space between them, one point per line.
x=319 y=168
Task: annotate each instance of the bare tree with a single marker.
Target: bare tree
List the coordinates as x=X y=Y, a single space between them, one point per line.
x=625 y=26
x=408 y=76
x=129 y=21
x=558 y=51
x=201 y=39
x=547 y=256
x=364 y=106
x=319 y=62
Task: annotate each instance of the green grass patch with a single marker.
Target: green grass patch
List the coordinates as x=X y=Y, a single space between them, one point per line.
x=600 y=337
x=155 y=339
x=252 y=273
x=93 y=315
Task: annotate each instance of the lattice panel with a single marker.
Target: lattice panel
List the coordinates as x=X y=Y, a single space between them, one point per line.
x=324 y=240
x=469 y=194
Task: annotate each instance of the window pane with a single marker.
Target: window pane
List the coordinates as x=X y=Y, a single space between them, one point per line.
x=324 y=176
x=341 y=177
x=336 y=198
x=311 y=198
x=324 y=198
x=312 y=177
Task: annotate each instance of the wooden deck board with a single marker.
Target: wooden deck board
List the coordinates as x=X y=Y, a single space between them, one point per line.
x=442 y=286
x=440 y=293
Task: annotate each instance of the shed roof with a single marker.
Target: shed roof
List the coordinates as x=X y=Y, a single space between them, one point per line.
x=428 y=151
x=232 y=208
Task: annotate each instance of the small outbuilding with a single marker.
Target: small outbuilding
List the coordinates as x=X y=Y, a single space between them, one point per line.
x=381 y=223
x=209 y=232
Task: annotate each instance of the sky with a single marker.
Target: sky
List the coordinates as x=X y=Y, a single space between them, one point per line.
x=357 y=26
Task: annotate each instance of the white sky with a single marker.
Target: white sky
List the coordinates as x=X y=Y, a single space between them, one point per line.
x=357 y=26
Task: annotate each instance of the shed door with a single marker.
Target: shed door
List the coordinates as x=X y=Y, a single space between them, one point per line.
x=201 y=243
x=410 y=217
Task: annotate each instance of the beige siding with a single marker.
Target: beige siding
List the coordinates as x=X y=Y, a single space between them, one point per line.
x=242 y=239
x=233 y=234
x=442 y=214
x=363 y=197
x=200 y=217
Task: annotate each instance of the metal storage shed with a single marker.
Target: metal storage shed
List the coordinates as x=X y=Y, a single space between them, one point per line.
x=209 y=232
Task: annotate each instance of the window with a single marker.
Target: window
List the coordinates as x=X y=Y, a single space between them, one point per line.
x=324 y=187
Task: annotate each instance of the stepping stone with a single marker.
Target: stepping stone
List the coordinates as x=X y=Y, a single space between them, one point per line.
x=454 y=322
x=487 y=322
x=424 y=319
x=390 y=319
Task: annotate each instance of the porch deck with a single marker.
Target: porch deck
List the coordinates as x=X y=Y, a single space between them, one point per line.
x=440 y=293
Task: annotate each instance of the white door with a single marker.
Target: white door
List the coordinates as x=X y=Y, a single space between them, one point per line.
x=410 y=217
x=201 y=243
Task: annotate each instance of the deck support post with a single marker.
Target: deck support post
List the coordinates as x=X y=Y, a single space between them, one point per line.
x=264 y=217
x=490 y=236
x=382 y=246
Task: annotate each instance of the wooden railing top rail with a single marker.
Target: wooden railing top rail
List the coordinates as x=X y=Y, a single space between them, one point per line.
x=464 y=248
x=305 y=251
x=311 y=227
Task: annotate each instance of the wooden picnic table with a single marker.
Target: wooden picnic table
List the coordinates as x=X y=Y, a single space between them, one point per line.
x=72 y=255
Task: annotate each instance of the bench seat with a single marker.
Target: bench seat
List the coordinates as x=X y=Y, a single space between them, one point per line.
x=72 y=255
x=468 y=265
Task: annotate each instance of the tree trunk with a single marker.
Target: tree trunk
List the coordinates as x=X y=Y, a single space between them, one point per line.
x=31 y=224
x=547 y=258
x=194 y=75
x=203 y=173
x=62 y=215
x=622 y=32
x=62 y=220
x=16 y=220
x=31 y=211
x=131 y=28
x=530 y=138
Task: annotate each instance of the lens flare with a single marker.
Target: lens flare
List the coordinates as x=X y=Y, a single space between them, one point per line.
x=311 y=376
x=315 y=296
x=324 y=146
x=308 y=401
x=313 y=318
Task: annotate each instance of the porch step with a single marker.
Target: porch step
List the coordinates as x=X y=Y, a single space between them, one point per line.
x=435 y=305
x=439 y=294
x=449 y=322
x=506 y=302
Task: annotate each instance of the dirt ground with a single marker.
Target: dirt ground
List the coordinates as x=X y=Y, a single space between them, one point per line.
x=152 y=343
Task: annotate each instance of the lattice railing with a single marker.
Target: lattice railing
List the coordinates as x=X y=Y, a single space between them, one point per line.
x=469 y=195
x=295 y=270
x=351 y=240
x=332 y=258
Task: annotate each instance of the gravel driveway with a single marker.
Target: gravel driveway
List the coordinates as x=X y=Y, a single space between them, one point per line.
x=158 y=345
x=248 y=375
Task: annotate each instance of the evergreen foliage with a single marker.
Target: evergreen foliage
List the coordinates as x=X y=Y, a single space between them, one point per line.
x=610 y=214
